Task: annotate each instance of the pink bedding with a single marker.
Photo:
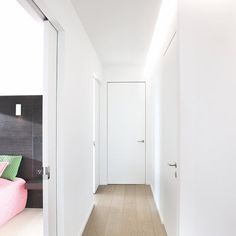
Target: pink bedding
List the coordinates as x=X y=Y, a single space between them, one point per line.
x=13 y=196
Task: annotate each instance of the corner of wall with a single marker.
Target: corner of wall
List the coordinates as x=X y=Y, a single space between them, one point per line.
x=86 y=220
x=156 y=203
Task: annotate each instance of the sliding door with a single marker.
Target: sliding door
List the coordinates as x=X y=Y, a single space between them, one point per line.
x=50 y=131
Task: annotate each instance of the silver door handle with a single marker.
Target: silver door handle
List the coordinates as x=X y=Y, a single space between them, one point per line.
x=46 y=173
x=172 y=164
x=140 y=141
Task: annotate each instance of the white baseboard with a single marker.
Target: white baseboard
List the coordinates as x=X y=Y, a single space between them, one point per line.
x=157 y=204
x=158 y=208
x=86 y=220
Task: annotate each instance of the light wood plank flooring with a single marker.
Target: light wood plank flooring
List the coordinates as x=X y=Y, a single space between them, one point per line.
x=124 y=210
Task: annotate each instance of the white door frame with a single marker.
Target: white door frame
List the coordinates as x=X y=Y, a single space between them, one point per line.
x=131 y=82
x=38 y=9
x=96 y=145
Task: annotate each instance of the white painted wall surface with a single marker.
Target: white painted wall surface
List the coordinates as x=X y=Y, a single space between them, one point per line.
x=122 y=73
x=208 y=114
x=207 y=55
x=75 y=120
x=21 y=51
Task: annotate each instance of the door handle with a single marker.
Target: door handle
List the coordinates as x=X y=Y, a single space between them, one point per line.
x=172 y=164
x=140 y=141
x=46 y=173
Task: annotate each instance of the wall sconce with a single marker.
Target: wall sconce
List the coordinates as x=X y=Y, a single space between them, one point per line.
x=18 y=110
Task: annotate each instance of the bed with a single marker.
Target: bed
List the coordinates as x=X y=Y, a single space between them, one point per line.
x=13 y=197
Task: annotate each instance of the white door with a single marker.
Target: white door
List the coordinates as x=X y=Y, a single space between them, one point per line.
x=96 y=133
x=126 y=133
x=50 y=130
x=170 y=140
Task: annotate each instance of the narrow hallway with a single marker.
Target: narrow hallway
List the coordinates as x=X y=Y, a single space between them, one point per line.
x=124 y=210
x=118 y=118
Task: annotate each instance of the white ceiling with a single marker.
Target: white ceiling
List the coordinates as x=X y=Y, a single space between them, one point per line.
x=120 y=30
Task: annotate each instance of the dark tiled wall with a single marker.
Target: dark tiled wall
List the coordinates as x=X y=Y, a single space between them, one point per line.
x=22 y=135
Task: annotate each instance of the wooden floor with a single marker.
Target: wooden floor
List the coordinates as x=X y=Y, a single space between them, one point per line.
x=124 y=210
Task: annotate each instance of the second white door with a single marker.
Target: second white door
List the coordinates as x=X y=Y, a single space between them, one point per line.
x=126 y=133
x=169 y=162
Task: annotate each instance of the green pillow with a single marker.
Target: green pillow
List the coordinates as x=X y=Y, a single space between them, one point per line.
x=12 y=169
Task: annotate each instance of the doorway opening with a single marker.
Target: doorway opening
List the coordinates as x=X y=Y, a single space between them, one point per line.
x=27 y=132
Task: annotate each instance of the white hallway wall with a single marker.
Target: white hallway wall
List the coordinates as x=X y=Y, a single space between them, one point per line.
x=21 y=67
x=208 y=117
x=75 y=122
x=207 y=55
x=115 y=73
